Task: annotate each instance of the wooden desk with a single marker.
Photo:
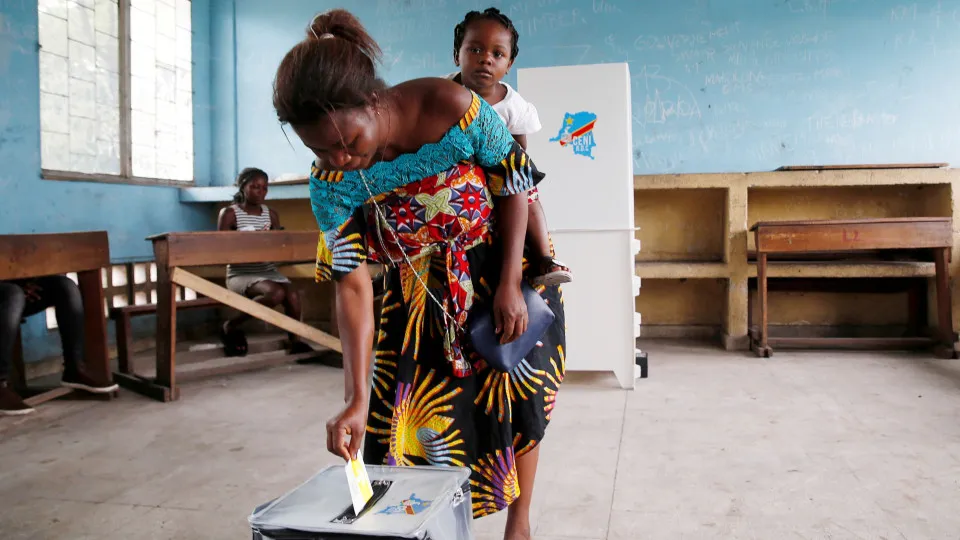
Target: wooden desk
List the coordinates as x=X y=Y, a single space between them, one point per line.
x=838 y=237
x=86 y=253
x=174 y=251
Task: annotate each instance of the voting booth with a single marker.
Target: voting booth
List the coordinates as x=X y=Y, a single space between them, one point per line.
x=586 y=150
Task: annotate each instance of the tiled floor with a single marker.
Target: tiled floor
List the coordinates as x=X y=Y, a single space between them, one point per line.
x=713 y=445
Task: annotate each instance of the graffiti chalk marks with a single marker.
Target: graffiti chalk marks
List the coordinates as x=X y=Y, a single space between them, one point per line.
x=576 y=131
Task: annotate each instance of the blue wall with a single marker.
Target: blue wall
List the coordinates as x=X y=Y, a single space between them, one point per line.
x=732 y=86
x=33 y=205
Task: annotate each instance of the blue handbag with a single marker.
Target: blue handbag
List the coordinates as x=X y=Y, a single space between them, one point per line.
x=486 y=342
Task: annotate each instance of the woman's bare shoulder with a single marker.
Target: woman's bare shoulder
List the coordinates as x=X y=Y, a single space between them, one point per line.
x=437 y=98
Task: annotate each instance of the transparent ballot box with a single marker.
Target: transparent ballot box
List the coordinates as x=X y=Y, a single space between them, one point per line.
x=422 y=503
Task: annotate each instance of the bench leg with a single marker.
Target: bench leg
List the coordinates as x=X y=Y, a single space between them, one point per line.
x=166 y=327
x=124 y=344
x=761 y=347
x=945 y=334
x=97 y=359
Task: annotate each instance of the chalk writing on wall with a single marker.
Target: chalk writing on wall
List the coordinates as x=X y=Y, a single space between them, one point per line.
x=753 y=85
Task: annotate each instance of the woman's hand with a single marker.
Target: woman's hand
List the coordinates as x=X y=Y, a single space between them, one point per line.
x=509 y=311
x=345 y=430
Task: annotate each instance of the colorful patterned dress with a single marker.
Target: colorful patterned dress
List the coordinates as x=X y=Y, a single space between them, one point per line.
x=433 y=400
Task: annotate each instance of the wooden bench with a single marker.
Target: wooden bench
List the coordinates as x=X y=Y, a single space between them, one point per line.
x=122 y=315
x=831 y=239
x=38 y=255
x=175 y=251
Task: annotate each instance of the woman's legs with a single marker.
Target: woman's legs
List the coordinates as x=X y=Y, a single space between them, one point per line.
x=64 y=295
x=518 y=513
x=272 y=294
x=268 y=293
x=12 y=302
x=291 y=305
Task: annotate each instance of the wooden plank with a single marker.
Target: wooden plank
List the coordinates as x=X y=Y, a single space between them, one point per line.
x=806 y=222
x=49 y=395
x=146 y=309
x=864 y=166
x=866 y=179
x=146 y=387
x=897 y=343
x=847 y=271
x=236 y=301
x=681 y=270
x=233 y=247
x=35 y=255
x=840 y=237
x=839 y=285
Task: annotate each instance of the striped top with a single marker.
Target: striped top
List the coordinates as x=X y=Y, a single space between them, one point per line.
x=251 y=222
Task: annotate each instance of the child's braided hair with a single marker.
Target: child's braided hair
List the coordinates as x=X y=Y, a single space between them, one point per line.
x=489 y=14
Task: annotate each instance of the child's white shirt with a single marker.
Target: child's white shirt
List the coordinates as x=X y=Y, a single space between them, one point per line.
x=519 y=114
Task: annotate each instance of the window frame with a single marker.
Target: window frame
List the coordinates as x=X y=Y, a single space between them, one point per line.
x=126 y=176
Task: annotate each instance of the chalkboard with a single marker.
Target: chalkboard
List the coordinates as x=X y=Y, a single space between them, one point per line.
x=718 y=86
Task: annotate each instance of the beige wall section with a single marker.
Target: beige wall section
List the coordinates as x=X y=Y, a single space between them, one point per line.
x=680 y=225
x=678 y=216
x=694 y=302
x=695 y=226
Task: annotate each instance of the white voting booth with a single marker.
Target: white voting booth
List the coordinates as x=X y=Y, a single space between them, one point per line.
x=586 y=150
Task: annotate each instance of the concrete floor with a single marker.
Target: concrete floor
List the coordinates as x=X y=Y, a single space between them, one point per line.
x=713 y=445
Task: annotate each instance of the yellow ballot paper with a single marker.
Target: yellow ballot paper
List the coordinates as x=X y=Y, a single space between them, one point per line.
x=360 y=489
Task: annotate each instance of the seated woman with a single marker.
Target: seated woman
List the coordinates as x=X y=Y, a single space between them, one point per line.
x=261 y=282
x=22 y=298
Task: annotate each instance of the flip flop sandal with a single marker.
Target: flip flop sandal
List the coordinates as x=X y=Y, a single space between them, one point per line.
x=557 y=277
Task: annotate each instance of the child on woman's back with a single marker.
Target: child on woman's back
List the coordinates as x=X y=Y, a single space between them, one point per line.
x=484 y=48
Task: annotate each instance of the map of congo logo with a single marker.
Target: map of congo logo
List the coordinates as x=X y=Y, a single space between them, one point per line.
x=411 y=506
x=577 y=133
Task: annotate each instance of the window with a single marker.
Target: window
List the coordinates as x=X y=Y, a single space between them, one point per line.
x=116 y=95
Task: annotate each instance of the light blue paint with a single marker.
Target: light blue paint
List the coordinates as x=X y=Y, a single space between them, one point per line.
x=32 y=205
x=203 y=62
x=223 y=91
x=733 y=86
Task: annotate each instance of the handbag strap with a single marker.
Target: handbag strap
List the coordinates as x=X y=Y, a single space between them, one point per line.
x=383 y=220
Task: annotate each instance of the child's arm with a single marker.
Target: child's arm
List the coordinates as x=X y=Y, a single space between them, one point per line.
x=274 y=220
x=521 y=140
x=227 y=220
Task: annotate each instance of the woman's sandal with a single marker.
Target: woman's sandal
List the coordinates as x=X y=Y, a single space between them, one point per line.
x=552 y=273
x=234 y=342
